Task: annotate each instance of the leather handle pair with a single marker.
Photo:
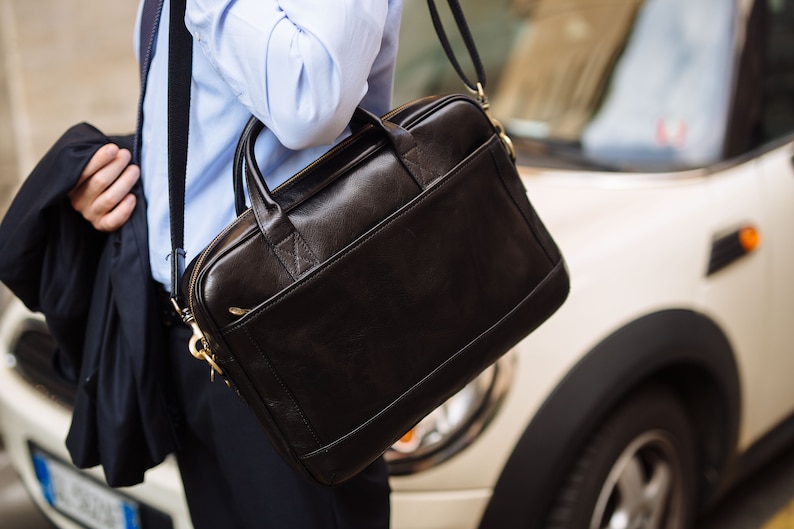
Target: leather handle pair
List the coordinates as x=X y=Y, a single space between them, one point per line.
x=245 y=165
x=401 y=140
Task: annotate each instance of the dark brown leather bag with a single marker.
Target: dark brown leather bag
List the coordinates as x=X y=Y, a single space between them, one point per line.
x=351 y=301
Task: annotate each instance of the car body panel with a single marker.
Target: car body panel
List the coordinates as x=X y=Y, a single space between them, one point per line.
x=777 y=180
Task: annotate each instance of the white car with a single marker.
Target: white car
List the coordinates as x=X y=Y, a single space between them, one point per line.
x=655 y=140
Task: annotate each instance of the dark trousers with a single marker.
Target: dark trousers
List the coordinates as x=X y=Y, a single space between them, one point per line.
x=234 y=479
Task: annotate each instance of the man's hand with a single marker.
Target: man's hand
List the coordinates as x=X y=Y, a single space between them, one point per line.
x=102 y=195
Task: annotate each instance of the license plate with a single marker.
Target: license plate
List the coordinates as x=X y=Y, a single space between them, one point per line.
x=82 y=498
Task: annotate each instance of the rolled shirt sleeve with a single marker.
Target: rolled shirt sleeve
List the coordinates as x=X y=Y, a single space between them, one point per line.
x=300 y=66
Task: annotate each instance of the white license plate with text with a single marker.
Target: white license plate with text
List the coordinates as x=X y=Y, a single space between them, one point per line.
x=82 y=498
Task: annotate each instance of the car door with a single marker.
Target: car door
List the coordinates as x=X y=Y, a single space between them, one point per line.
x=776 y=176
x=761 y=138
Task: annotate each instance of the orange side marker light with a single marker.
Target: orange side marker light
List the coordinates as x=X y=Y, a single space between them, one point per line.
x=749 y=238
x=408 y=437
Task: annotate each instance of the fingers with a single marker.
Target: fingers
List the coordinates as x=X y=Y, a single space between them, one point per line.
x=102 y=172
x=102 y=195
x=101 y=158
x=116 y=217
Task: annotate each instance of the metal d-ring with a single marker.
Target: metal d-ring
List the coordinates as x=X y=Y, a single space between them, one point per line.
x=486 y=106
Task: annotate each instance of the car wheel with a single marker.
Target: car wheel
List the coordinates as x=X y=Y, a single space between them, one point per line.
x=636 y=472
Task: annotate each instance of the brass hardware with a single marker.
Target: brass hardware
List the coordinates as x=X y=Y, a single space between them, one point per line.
x=237 y=311
x=202 y=352
x=486 y=106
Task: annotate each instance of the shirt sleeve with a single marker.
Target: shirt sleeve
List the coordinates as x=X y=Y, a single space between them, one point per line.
x=300 y=66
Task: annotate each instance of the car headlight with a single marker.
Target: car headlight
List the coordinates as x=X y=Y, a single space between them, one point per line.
x=455 y=424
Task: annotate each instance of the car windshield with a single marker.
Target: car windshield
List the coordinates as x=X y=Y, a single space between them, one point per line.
x=623 y=83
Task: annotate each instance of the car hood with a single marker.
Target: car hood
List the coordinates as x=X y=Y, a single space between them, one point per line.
x=606 y=221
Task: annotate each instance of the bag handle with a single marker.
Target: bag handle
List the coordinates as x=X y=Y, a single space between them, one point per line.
x=405 y=146
x=402 y=141
x=274 y=222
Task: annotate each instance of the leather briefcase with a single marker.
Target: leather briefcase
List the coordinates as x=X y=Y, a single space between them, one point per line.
x=351 y=301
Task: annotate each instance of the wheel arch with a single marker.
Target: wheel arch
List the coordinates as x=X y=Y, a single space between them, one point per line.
x=684 y=350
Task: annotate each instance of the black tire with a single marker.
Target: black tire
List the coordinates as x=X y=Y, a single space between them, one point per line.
x=637 y=471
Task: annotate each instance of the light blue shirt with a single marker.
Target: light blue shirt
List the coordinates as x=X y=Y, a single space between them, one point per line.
x=300 y=66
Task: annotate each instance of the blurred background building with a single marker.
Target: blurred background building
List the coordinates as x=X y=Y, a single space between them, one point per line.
x=61 y=62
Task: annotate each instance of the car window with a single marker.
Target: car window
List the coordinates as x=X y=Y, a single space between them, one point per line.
x=668 y=97
x=423 y=68
x=778 y=112
x=640 y=83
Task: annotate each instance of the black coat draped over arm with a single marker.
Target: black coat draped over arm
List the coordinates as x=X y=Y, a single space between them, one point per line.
x=97 y=297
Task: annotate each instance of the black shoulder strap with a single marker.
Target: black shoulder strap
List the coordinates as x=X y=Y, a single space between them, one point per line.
x=180 y=60
x=463 y=27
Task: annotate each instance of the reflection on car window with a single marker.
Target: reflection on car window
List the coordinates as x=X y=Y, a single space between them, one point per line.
x=422 y=66
x=669 y=97
x=559 y=65
x=644 y=83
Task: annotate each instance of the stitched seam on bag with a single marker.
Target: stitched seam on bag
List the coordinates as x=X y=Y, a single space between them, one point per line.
x=429 y=192
x=270 y=243
x=435 y=372
x=279 y=254
x=284 y=387
x=302 y=261
x=418 y=171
